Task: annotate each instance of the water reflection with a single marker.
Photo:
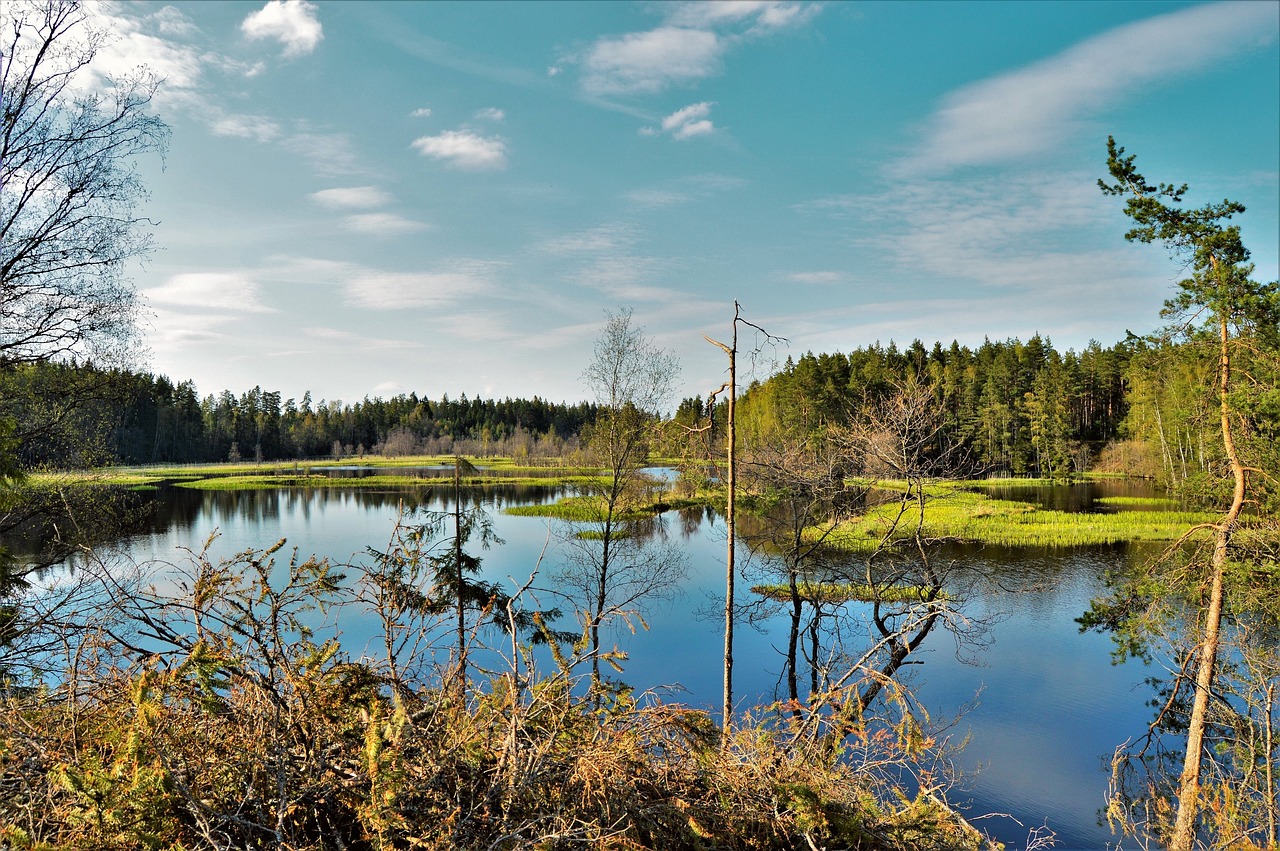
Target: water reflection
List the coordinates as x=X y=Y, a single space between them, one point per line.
x=1075 y=497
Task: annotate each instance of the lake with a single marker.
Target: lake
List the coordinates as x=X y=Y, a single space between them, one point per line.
x=1042 y=704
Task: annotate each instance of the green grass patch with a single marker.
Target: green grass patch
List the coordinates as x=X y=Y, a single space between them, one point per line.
x=974 y=517
x=285 y=474
x=377 y=481
x=591 y=509
x=1137 y=501
x=847 y=592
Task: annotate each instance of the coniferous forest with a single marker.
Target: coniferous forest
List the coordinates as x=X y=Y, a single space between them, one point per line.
x=1022 y=408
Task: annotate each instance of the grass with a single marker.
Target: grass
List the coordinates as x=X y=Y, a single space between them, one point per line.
x=1137 y=501
x=249 y=475
x=847 y=592
x=378 y=481
x=967 y=516
x=590 y=509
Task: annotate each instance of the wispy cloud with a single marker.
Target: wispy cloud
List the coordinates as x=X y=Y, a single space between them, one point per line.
x=339 y=336
x=465 y=150
x=657 y=197
x=378 y=290
x=293 y=23
x=382 y=224
x=684 y=190
x=351 y=197
x=611 y=237
x=422 y=112
x=260 y=128
x=226 y=291
x=821 y=278
x=329 y=154
x=491 y=113
x=1027 y=112
x=762 y=15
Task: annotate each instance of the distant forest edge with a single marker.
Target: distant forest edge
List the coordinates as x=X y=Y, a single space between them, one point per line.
x=1020 y=408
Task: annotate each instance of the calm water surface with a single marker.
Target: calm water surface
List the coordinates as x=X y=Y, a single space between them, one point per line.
x=1042 y=704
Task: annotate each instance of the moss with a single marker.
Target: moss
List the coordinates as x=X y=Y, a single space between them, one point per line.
x=847 y=592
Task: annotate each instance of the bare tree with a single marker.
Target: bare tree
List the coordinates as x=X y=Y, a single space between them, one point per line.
x=903 y=442
x=70 y=185
x=610 y=564
x=796 y=497
x=730 y=387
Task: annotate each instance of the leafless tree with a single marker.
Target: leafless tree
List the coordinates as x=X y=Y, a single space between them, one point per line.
x=68 y=152
x=610 y=566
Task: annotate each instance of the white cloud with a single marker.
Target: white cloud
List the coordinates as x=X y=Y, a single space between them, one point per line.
x=763 y=15
x=424 y=112
x=818 y=277
x=382 y=224
x=335 y=334
x=694 y=128
x=647 y=62
x=171 y=21
x=657 y=197
x=685 y=123
x=688 y=47
x=379 y=290
x=178 y=65
x=685 y=189
x=491 y=113
x=335 y=337
x=257 y=127
x=227 y=291
x=610 y=237
x=1026 y=112
x=291 y=22
x=349 y=197
x=327 y=153
x=686 y=115
x=464 y=149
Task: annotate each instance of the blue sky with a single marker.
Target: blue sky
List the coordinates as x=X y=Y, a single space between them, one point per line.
x=368 y=198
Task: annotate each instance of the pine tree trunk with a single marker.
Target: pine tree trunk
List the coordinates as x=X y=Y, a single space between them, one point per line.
x=1184 y=831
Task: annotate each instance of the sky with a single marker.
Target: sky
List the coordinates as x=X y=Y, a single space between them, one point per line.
x=367 y=199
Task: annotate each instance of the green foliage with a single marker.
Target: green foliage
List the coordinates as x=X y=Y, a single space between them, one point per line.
x=1014 y=407
x=848 y=592
x=965 y=516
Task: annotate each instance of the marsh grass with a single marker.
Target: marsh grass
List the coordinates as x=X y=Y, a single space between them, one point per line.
x=264 y=475
x=847 y=592
x=378 y=481
x=591 y=509
x=967 y=516
x=1137 y=501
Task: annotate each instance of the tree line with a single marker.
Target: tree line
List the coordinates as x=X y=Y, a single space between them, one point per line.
x=1017 y=408
x=72 y=414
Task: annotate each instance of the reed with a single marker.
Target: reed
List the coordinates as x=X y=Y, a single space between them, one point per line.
x=848 y=592
x=972 y=517
x=1137 y=501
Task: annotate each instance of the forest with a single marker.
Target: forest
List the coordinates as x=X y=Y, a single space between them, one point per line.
x=1017 y=408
